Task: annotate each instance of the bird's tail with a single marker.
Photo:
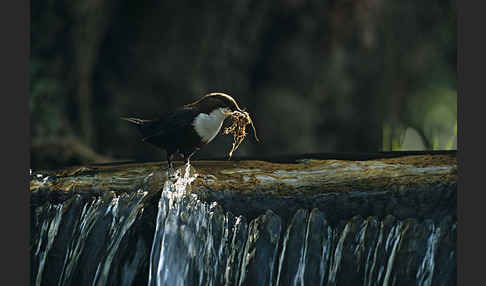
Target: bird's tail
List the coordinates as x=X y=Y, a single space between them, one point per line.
x=135 y=121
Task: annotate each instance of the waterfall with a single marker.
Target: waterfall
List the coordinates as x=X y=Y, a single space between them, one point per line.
x=80 y=238
x=137 y=239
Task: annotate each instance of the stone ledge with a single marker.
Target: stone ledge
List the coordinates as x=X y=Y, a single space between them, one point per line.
x=409 y=186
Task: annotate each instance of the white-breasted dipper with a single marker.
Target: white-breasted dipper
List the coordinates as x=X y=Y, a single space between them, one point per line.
x=187 y=129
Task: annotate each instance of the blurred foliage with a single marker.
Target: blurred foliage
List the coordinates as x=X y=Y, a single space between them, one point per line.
x=317 y=76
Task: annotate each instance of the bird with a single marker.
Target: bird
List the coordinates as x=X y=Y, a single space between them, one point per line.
x=189 y=128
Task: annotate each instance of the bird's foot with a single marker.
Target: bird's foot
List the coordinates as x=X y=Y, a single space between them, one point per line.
x=171 y=174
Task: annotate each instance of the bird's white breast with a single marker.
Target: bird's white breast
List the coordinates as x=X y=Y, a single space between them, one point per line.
x=207 y=126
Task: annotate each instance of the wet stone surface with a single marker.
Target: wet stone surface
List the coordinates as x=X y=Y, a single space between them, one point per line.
x=411 y=186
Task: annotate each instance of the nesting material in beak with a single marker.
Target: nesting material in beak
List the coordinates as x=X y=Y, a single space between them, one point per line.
x=240 y=118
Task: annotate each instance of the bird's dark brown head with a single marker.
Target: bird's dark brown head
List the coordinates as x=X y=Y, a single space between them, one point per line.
x=211 y=101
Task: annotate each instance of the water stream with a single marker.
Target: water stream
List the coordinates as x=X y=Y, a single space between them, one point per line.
x=127 y=239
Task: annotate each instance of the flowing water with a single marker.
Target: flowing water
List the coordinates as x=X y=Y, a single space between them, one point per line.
x=127 y=239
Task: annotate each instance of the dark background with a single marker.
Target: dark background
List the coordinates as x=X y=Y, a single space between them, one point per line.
x=316 y=76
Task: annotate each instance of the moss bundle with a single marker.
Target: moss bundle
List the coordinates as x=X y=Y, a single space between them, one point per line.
x=238 y=128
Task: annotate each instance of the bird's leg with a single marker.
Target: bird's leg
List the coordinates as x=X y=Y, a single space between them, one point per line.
x=170 y=163
x=187 y=158
x=170 y=157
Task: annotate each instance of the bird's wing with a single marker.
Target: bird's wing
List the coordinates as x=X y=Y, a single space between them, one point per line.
x=165 y=127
